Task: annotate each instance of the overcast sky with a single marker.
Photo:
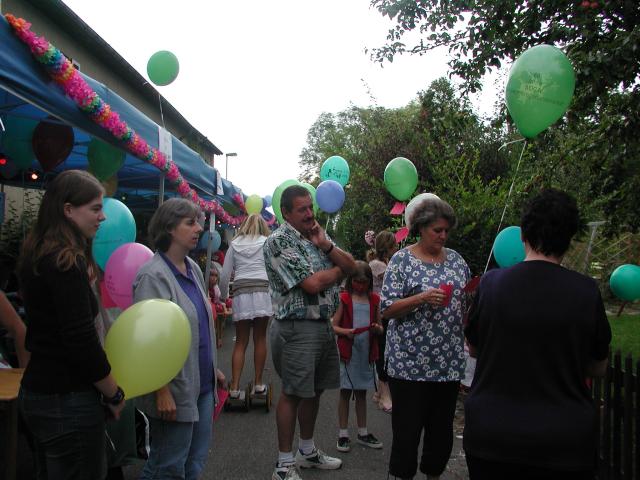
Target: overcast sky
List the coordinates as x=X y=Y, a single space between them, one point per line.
x=255 y=75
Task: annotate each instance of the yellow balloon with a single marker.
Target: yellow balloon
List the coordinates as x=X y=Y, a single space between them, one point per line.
x=148 y=345
x=253 y=205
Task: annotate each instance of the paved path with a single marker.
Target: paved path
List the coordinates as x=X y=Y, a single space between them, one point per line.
x=245 y=446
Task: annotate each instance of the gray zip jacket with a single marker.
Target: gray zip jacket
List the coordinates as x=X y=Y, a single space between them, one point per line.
x=156 y=280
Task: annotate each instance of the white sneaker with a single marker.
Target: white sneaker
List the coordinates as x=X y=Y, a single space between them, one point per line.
x=286 y=472
x=317 y=459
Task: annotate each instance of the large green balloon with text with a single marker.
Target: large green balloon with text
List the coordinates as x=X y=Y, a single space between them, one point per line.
x=277 y=195
x=148 y=345
x=335 y=168
x=163 y=68
x=401 y=178
x=539 y=90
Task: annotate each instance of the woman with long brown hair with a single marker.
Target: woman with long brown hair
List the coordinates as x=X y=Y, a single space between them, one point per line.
x=67 y=383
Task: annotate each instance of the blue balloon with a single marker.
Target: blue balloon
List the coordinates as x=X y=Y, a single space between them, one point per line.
x=204 y=241
x=330 y=196
x=266 y=201
x=508 y=248
x=118 y=228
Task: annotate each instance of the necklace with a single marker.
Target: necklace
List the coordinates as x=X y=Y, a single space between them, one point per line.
x=428 y=257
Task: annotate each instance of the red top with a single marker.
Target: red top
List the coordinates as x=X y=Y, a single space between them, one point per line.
x=345 y=343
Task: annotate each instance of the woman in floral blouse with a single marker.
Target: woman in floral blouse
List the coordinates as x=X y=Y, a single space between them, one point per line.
x=423 y=298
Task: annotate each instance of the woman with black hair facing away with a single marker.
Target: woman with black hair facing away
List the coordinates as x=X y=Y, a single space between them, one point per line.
x=424 y=301
x=67 y=383
x=538 y=330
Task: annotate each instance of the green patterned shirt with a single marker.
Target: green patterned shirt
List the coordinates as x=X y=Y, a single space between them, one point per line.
x=289 y=259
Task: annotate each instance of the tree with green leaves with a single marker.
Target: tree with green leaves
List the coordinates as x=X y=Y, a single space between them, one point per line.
x=456 y=155
x=598 y=140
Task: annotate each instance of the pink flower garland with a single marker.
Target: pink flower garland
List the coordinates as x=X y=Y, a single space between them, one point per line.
x=62 y=72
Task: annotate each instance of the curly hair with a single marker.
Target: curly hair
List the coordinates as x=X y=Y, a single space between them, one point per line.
x=428 y=211
x=549 y=221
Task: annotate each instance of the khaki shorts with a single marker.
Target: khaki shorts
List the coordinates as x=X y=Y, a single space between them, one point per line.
x=305 y=355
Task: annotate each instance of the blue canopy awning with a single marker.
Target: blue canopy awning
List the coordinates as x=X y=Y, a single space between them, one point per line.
x=27 y=91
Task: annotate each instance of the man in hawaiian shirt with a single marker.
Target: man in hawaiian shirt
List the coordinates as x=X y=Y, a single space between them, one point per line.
x=304 y=269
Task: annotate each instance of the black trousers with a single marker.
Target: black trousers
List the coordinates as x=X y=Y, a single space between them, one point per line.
x=420 y=407
x=481 y=469
x=382 y=344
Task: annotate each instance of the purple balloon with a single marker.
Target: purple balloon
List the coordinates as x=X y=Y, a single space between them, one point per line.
x=121 y=270
x=330 y=196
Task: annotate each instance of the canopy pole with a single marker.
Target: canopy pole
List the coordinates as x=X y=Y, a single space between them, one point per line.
x=212 y=228
x=161 y=190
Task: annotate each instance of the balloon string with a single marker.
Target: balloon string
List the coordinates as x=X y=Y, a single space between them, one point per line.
x=509 y=143
x=326 y=227
x=506 y=203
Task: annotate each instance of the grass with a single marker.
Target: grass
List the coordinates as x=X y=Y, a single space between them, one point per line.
x=626 y=334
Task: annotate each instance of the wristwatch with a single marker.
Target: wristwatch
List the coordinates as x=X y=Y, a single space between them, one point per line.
x=328 y=250
x=115 y=400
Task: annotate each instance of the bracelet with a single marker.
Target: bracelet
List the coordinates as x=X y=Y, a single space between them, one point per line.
x=115 y=400
x=327 y=252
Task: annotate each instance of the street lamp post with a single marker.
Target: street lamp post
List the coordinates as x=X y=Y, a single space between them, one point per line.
x=226 y=164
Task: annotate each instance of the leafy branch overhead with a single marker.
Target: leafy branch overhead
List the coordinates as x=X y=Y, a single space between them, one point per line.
x=598 y=138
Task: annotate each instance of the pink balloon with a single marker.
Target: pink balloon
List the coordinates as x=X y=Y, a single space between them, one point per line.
x=121 y=270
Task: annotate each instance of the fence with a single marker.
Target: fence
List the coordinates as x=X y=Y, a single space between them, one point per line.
x=618 y=395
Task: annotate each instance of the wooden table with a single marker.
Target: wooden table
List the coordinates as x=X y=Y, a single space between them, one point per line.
x=9 y=387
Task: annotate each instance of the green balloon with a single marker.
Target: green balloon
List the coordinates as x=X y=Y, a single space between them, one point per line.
x=17 y=140
x=163 y=68
x=625 y=282
x=312 y=191
x=508 y=248
x=401 y=178
x=253 y=204
x=539 y=89
x=335 y=168
x=277 y=194
x=104 y=159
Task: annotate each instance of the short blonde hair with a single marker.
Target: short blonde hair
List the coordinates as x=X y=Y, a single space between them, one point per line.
x=253 y=226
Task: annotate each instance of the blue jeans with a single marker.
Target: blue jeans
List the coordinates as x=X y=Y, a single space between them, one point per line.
x=68 y=432
x=179 y=449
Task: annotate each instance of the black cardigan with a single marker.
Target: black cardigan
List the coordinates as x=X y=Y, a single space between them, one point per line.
x=66 y=354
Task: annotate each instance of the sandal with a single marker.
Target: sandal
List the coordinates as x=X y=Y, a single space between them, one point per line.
x=259 y=389
x=235 y=394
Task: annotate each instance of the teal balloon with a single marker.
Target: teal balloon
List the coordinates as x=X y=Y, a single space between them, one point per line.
x=277 y=194
x=163 y=68
x=104 y=159
x=540 y=88
x=335 y=168
x=17 y=140
x=118 y=228
x=401 y=178
x=312 y=191
x=625 y=282
x=508 y=248
x=216 y=241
